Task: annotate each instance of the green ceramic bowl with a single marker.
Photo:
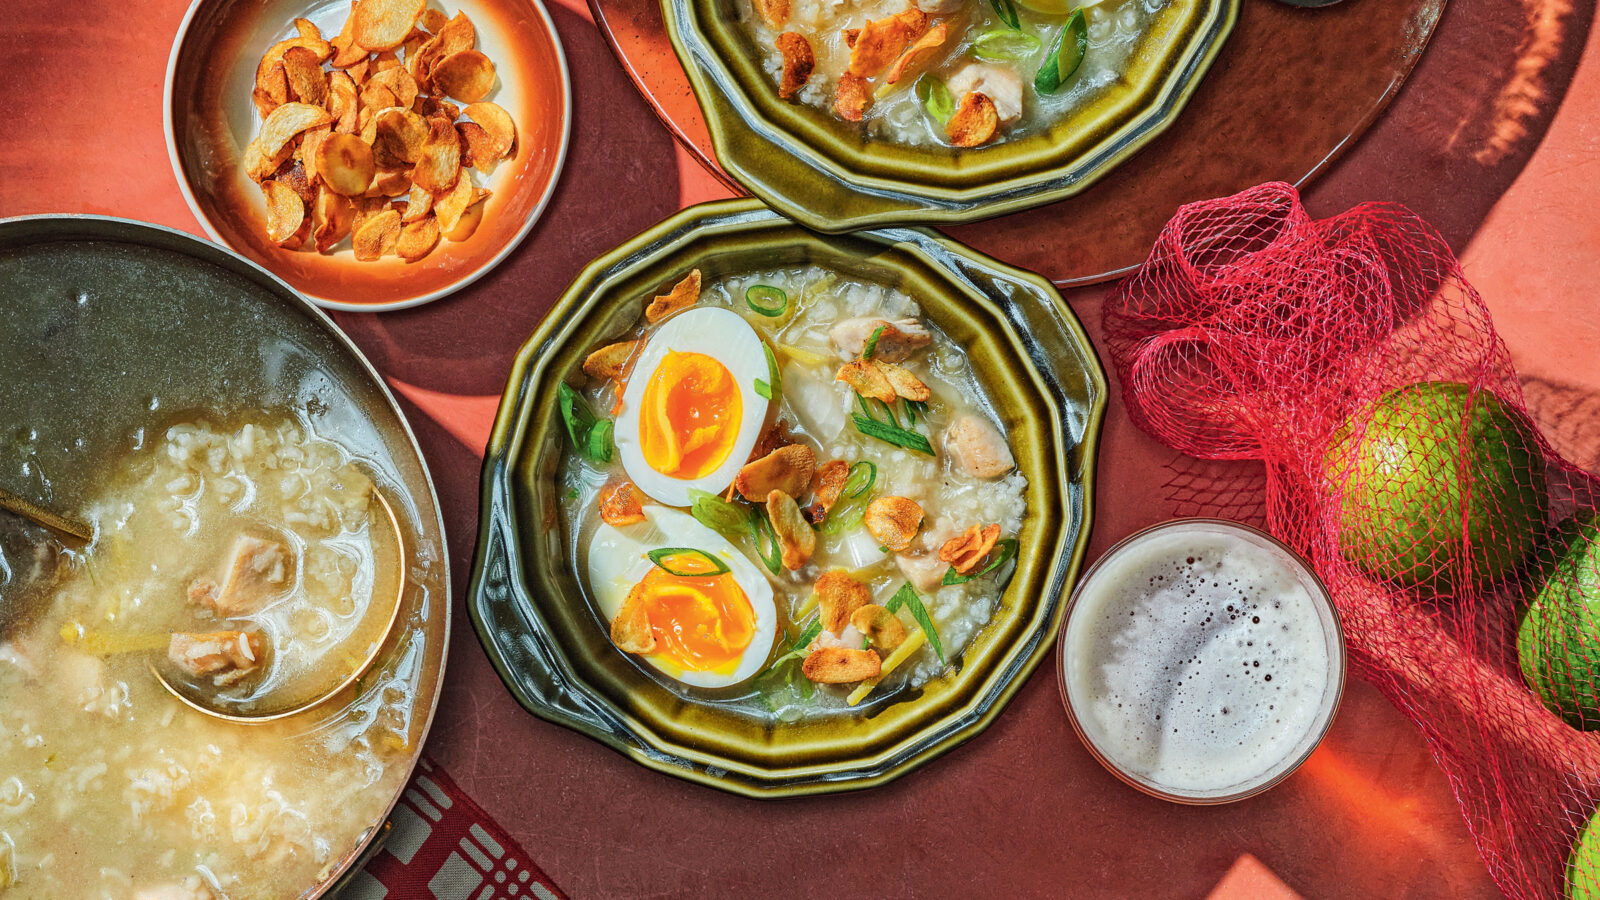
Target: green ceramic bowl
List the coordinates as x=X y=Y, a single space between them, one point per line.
x=556 y=656
x=823 y=172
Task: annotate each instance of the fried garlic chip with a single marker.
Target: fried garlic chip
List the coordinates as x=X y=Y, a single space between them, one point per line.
x=631 y=630
x=344 y=163
x=798 y=62
x=826 y=486
x=498 y=125
x=904 y=383
x=966 y=550
x=399 y=83
x=287 y=121
x=611 y=361
x=796 y=540
x=286 y=212
x=377 y=235
x=786 y=469
x=852 y=97
x=866 y=379
x=894 y=521
x=773 y=12
x=304 y=73
x=920 y=53
x=683 y=295
x=838 y=598
x=384 y=24
x=331 y=218
x=882 y=627
x=399 y=136
x=344 y=102
x=841 y=665
x=974 y=122
x=439 y=162
x=467 y=223
x=621 y=504
x=881 y=41
x=466 y=75
x=419 y=203
x=417 y=239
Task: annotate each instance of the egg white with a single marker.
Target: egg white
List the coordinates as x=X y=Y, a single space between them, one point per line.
x=726 y=337
x=617 y=561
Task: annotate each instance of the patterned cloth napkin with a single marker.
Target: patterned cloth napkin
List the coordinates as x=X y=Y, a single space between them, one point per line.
x=442 y=846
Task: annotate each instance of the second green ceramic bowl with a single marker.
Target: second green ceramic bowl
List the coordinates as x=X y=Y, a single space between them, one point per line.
x=557 y=657
x=825 y=174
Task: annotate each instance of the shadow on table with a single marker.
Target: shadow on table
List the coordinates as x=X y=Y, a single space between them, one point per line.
x=621 y=176
x=1473 y=112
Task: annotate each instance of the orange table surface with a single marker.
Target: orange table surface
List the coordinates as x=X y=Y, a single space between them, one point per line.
x=1023 y=810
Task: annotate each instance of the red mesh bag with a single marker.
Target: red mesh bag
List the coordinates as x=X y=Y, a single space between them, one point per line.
x=1351 y=357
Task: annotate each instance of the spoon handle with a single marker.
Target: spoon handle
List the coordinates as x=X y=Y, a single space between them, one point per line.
x=74 y=531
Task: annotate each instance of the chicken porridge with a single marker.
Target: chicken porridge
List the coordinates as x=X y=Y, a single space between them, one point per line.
x=247 y=556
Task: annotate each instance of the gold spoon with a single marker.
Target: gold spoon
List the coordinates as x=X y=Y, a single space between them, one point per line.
x=69 y=530
x=250 y=714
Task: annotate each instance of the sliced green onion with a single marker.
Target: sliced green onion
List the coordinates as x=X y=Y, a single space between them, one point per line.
x=665 y=555
x=860 y=478
x=844 y=518
x=575 y=414
x=891 y=434
x=1065 y=56
x=798 y=648
x=1004 y=45
x=1007 y=11
x=765 y=541
x=774 y=382
x=1001 y=554
x=600 y=441
x=591 y=438
x=871 y=346
x=907 y=597
x=936 y=98
x=717 y=514
x=767 y=300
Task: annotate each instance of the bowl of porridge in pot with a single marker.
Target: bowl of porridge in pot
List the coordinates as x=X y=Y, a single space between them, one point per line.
x=229 y=447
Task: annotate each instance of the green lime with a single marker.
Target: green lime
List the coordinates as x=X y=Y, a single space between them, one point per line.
x=1558 y=639
x=1583 y=867
x=1439 y=485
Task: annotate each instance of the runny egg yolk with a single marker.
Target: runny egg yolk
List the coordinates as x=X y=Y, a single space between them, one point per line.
x=701 y=623
x=689 y=416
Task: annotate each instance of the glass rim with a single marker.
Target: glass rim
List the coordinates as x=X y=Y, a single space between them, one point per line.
x=1338 y=667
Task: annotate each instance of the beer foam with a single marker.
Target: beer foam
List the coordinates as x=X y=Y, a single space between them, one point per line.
x=1197 y=660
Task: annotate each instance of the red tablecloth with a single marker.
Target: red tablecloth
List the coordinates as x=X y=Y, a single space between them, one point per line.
x=1024 y=810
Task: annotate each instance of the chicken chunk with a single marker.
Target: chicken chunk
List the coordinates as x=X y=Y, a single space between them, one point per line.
x=1000 y=84
x=977 y=447
x=257 y=570
x=226 y=656
x=899 y=340
x=921 y=564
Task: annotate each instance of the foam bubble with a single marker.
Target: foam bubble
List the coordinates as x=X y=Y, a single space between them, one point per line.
x=1198 y=661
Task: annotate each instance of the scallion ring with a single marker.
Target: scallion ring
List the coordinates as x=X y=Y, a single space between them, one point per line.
x=1065 y=56
x=706 y=565
x=765 y=541
x=860 y=478
x=936 y=99
x=1007 y=11
x=717 y=514
x=774 y=383
x=767 y=300
x=1004 y=45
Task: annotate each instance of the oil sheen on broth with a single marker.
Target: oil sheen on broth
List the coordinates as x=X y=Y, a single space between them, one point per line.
x=1197 y=661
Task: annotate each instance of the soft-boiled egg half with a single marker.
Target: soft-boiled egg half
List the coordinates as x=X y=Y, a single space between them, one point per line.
x=710 y=630
x=690 y=414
